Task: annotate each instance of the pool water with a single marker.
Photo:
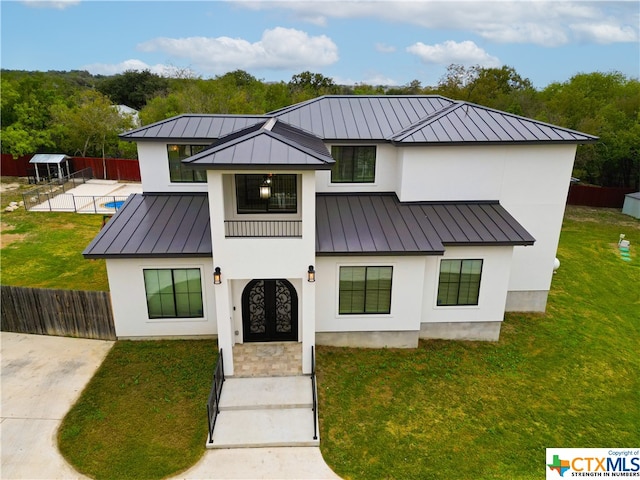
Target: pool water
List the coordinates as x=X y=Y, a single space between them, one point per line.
x=115 y=205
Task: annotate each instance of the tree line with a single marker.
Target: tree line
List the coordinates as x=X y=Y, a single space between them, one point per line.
x=74 y=112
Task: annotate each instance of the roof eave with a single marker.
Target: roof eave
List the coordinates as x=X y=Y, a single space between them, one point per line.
x=258 y=166
x=498 y=142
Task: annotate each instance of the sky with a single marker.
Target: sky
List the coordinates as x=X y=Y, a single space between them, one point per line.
x=379 y=42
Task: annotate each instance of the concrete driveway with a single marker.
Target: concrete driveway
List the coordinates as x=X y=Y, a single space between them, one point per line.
x=41 y=377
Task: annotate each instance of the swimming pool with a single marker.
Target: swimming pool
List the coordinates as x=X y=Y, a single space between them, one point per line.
x=117 y=204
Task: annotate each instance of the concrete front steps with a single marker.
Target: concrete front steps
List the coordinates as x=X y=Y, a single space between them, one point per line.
x=265 y=412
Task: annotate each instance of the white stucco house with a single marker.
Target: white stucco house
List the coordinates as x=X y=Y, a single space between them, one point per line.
x=343 y=220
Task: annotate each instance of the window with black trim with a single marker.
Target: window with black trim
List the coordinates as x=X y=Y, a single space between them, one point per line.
x=365 y=290
x=178 y=172
x=173 y=292
x=459 y=282
x=354 y=164
x=267 y=193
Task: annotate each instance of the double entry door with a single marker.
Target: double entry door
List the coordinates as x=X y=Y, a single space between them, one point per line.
x=269 y=311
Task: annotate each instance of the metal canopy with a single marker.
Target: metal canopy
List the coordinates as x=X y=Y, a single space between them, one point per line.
x=49 y=158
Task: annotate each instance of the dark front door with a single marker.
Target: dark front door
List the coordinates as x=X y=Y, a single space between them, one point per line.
x=269 y=311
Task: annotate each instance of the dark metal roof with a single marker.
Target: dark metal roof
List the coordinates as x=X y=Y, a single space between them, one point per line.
x=401 y=119
x=272 y=143
x=165 y=225
x=360 y=117
x=466 y=123
x=156 y=226
x=193 y=127
x=379 y=224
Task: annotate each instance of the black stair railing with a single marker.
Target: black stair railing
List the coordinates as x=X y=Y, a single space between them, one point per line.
x=213 y=404
x=314 y=394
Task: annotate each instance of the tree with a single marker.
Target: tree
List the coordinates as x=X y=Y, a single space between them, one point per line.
x=91 y=126
x=307 y=85
x=606 y=105
x=501 y=88
x=133 y=88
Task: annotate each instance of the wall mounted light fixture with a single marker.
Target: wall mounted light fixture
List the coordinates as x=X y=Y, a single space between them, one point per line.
x=217 y=276
x=265 y=188
x=311 y=274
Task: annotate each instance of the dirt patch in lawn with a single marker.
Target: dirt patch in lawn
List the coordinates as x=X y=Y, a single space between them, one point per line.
x=9 y=238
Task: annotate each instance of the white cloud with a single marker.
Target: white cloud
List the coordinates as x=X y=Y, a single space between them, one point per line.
x=448 y=52
x=540 y=22
x=384 y=48
x=57 y=4
x=604 y=34
x=131 y=64
x=279 y=48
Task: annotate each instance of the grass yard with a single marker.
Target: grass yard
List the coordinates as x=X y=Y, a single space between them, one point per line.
x=143 y=415
x=44 y=249
x=475 y=410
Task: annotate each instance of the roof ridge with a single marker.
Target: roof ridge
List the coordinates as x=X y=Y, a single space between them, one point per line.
x=402 y=134
x=529 y=119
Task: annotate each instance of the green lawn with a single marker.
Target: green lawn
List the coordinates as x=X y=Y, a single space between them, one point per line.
x=44 y=249
x=476 y=410
x=143 y=415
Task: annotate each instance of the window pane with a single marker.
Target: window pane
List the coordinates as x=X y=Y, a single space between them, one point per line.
x=365 y=290
x=178 y=172
x=282 y=199
x=459 y=282
x=354 y=164
x=173 y=293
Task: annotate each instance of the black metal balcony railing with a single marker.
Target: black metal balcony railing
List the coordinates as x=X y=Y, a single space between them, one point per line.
x=263 y=228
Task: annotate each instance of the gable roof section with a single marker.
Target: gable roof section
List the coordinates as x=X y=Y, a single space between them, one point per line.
x=156 y=226
x=273 y=144
x=193 y=127
x=465 y=123
x=360 y=117
x=379 y=224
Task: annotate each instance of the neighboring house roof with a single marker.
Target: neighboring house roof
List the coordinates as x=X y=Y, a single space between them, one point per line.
x=166 y=225
x=272 y=143
x=49 y=158
x=402 y=120
x=369 y=224
x=191 y=127
x=156 y=226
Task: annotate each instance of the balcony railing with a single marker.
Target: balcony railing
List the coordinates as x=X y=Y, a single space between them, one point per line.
x=263 y=228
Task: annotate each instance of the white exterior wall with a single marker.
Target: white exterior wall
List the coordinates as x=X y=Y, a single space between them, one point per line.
x=496 y=264
x=406 y=295
x=385 y=180
x=130 y=314
x=530 y=181
x=243 y=259
x=153 y=159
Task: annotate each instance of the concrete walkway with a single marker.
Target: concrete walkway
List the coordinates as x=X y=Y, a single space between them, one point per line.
x=43 y=376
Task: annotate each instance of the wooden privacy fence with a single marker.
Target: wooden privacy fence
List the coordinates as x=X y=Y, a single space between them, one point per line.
x=593 y=196
x=73 y=313
x=122 y=169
